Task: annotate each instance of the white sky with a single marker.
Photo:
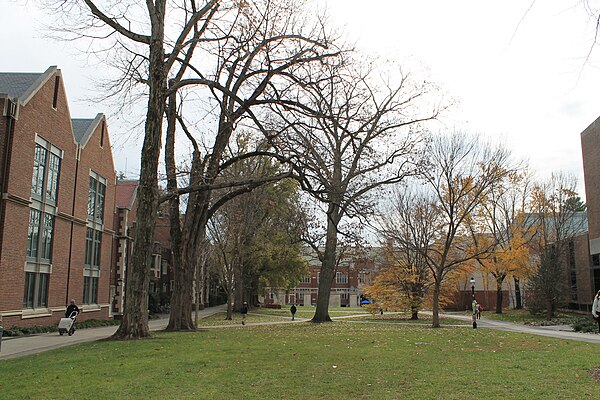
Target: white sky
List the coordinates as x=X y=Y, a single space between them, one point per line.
x=525 y=83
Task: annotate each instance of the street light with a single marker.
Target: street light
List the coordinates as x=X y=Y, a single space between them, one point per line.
x=472 y=286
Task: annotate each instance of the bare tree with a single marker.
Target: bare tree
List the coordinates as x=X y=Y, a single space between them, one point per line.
x=461 y=173
x=409 y=227
x=147 y=55
x=265 y=42
x=350 y=133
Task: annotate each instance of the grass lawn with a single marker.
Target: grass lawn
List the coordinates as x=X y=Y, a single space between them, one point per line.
x=219 y=319
x=274 y=315
x=525 y=317
x=308 y=312
x=404 y=318
x=309 y=361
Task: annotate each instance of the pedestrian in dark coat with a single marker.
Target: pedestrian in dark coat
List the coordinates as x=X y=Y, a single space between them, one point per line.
x=72 y=308
x=244 y=312
x=293 y=311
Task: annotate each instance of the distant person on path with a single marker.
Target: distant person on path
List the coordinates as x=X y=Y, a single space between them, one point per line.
x=293 y=310
x=479 y=309
x=70 y=309
x=474 y=306
x=596 y=309
x=244 y=312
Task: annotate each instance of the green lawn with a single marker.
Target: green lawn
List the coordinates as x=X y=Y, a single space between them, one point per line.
x=525 y=317
x=404 y=318
x=219 y=319
x=309 y=361
x=308 y=312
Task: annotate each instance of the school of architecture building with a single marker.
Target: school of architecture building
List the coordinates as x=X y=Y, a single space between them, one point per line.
x=57 y=185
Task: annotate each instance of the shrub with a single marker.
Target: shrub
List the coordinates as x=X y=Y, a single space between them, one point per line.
x=584 y=324
x=272 y=305
x=31 y=330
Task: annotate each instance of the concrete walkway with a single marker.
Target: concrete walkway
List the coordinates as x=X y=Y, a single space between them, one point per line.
x=532 y=330
x=19 y=346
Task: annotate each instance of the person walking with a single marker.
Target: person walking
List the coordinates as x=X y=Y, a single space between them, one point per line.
x=596 y=309
x=474 y=305
x=244 y=312
x=479 y=309
x=293 y=311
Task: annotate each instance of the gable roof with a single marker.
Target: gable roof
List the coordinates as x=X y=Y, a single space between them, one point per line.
x=125 y=193
x=84 y=127
x=80 y=127
x=23 y=85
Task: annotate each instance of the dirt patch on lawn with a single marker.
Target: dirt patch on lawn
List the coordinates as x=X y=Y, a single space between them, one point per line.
x=595 y=374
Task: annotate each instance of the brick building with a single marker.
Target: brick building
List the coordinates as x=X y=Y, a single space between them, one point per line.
x=590 y=148
x=57 y=182
x=161 y=277
x=353 y=274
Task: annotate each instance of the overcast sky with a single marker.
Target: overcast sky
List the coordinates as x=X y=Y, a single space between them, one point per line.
x=519 y=75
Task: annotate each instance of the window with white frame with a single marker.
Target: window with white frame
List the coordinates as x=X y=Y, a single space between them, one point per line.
x=36 y=290
x=361 y=277
x=96 y=198
x=305 y=279
x=93 y=242
x=341 y=277
x=40 y=232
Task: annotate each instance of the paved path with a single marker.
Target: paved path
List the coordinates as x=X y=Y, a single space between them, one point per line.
x=24 y=345
x=532 y=330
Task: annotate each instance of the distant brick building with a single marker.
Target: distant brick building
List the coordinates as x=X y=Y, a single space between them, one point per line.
x=353 y=275
x=57 y=182
x=161 y=278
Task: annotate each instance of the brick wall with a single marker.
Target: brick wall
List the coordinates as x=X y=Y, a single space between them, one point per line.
x=54 y=125
x=590 y=146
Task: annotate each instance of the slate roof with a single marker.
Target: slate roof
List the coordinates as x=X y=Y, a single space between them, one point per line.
x=24 y=85
x=125 y=193
x=80 y=128
x=17 y=84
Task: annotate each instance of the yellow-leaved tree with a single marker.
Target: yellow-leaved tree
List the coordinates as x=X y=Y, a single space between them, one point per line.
x=504 y=231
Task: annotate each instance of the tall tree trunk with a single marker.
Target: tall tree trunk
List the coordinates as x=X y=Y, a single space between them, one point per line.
x=436 y=303
x=194 y=231
x=549 y=310
x=499 y=295
x=135 y=314
x=229 y=316
x=328 y=265
x=518 y=299
x=174 y=217
x=192 y=236
x=414 y=313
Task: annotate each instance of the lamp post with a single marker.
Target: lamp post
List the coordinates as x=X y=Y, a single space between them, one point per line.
x=472 y=286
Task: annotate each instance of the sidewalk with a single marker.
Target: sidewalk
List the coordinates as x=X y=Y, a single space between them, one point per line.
x=532 y=330
x=19 y=346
